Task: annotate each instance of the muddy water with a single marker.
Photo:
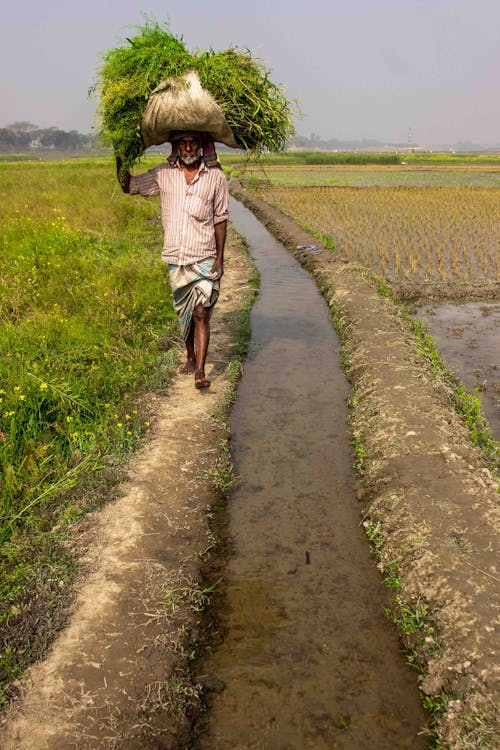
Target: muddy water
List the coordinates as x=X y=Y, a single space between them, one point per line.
x=309 y=659
x=468 y=337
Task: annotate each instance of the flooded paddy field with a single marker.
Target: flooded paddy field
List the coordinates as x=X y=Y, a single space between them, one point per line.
x=468 y=337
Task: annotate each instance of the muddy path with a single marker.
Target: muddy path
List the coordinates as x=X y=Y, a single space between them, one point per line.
x=308 y=658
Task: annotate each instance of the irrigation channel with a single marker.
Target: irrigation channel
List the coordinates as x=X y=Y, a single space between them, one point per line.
x=308 y=659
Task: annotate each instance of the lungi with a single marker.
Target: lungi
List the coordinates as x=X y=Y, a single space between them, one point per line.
x=191 y=286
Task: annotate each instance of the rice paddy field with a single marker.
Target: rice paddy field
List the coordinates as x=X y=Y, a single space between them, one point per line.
x=408 y=223
x=430 y=232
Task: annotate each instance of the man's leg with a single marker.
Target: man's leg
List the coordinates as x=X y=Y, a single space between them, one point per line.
x=201 y=341
x=190 y=365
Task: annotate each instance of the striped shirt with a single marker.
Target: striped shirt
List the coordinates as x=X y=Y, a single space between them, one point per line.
x=188 y=212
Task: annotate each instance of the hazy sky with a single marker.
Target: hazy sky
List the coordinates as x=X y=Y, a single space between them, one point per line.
x=359 y=68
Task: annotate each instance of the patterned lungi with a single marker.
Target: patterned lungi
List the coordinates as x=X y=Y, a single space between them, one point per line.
x=191 y=286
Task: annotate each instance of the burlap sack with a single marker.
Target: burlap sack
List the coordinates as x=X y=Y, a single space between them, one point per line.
x=183 y=104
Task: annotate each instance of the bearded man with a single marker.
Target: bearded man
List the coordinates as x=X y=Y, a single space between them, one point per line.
x=194 y=209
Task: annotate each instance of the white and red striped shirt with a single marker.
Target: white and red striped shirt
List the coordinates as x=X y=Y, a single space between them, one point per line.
x=188 y=212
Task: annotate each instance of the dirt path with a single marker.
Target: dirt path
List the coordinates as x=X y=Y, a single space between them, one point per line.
x=430 y=505
x=117 y=676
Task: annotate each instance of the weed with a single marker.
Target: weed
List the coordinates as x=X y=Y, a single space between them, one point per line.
x=222 y=476
x=343 y=721
x=408 y=618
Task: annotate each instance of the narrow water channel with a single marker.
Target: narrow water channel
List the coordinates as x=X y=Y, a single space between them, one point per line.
x=309 y=659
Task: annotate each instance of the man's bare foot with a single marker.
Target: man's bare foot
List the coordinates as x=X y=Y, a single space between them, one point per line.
x=188 y=368
x=200 y=381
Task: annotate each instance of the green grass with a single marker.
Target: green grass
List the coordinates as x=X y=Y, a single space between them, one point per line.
x=87 y=328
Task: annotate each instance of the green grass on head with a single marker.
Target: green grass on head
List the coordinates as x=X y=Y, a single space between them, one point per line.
x=255 y=108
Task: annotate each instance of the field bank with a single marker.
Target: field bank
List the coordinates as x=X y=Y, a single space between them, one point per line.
x=428 y=501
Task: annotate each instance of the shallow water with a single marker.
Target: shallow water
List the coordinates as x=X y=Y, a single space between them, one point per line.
x=467 y=336
x=308 y=659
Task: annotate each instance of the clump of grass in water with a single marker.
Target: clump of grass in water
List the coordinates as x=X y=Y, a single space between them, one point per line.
x=255 y=108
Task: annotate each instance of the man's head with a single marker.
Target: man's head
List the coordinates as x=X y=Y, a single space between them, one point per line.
x=188 y=142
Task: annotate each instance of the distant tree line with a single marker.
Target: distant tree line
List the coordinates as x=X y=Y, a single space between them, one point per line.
x=25 y=136
x=315 y=141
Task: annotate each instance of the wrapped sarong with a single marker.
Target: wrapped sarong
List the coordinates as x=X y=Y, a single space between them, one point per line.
x=191 y=286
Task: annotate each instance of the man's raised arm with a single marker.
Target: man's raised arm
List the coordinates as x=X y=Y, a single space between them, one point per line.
x=123 y=177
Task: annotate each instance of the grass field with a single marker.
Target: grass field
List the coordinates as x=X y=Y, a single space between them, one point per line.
x=370 y=176
x=86 y=329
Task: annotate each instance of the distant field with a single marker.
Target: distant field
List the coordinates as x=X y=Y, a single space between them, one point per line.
x=411 y=175
x=332 y=158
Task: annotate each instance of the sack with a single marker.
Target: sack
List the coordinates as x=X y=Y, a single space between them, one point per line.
x=183 y=104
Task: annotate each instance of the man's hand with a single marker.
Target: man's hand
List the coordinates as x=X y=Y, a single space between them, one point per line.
x=123 y=176
x=217 y=269
x=220 y=240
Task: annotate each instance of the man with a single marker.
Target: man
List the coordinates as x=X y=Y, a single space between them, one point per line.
x=194 y=208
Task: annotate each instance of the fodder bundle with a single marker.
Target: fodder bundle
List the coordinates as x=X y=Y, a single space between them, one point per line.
x=255 y=108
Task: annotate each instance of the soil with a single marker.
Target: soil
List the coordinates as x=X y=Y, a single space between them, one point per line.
x=118 y=676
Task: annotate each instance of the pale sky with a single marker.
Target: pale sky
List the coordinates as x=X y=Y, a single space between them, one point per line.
x=359 y=68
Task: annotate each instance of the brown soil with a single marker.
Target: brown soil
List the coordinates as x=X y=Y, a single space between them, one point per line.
x=118 y=676
x=427 y=495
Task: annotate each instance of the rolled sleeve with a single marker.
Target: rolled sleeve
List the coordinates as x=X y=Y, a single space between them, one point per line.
x=221 y=201
x=145 y=184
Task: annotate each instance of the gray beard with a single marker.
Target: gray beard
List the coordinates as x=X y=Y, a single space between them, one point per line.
x=189 y=160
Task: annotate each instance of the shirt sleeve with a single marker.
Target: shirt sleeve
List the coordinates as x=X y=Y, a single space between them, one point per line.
x=221 y=201
x=145 y=184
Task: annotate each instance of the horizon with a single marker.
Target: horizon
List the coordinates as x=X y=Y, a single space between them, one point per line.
x=29 y=125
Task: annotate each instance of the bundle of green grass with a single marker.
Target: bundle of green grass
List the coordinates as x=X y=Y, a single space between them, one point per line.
x=256 y=110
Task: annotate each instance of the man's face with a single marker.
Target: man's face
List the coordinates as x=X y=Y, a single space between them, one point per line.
x=189 y=150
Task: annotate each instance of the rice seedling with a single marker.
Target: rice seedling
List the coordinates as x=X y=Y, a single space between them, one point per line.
x=419 y=234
